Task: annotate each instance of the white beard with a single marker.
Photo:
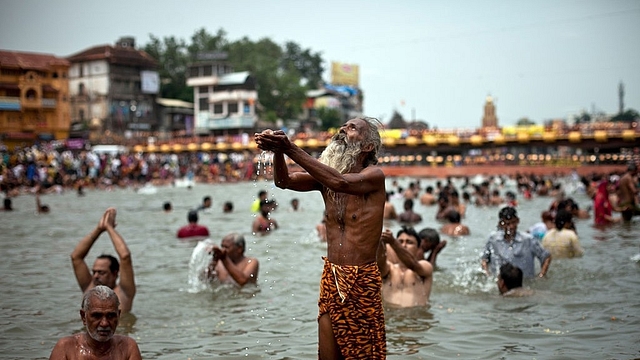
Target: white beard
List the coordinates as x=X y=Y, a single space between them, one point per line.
x=340 y=154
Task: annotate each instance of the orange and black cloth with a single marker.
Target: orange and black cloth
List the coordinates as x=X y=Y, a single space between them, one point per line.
x=351 y=296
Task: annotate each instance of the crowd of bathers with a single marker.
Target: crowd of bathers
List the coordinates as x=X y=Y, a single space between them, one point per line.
x=55 y=170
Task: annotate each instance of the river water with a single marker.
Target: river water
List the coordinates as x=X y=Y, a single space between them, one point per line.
x=587 y=308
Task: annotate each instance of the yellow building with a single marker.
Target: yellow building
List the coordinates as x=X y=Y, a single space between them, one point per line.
x=34 y=98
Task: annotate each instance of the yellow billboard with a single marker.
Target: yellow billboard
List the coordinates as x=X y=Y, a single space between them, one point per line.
x=344 y=74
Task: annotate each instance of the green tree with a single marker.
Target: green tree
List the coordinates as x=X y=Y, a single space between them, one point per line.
x=525 y=121
x=171 y=54
x=330 y=118
x=308 y=65
x=261 y=60
x=583 y=118
x=283 y=75
x=629 y=116
x=202 y=42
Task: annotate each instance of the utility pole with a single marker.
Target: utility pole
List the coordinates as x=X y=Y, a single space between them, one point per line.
x=621 y=97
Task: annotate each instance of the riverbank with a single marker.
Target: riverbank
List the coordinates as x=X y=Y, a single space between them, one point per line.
x=489 y=170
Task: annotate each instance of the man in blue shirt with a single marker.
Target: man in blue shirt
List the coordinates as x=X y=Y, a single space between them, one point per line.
x=508 y=245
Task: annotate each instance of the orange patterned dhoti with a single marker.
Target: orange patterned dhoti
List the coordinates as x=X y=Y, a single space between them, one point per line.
x=351 y=296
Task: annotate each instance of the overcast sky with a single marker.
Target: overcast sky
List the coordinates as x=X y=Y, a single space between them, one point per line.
x=434 y=61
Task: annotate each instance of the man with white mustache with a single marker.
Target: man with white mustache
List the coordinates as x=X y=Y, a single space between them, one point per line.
x=100 y=314
x=351 y=317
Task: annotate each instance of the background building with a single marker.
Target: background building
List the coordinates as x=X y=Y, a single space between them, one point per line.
x=224 y=101
x=34 y=98
x=113 y=90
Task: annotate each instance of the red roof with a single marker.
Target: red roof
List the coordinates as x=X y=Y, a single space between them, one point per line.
x=30 y=61
x=115 y=55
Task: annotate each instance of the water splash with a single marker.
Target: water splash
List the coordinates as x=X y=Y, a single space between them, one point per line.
x=198 y=265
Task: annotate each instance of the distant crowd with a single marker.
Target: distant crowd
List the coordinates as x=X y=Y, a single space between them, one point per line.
x=55 y=171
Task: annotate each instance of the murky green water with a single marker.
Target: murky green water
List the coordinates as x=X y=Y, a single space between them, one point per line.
x=587 y=308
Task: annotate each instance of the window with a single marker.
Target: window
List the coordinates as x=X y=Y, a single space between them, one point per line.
x=81 y=89
x=194 y=72
x=233 y=108
x=31 y=94
x=203 y=89
x=217 y=109
x=81 y=114
x=207 y=70
x=204 y=104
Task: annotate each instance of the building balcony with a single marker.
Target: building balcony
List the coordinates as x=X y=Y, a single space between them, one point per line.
x=202 y=81
x=208 y=121
x=10 y=103
x=49 y=103
x=235 y=95
x=31 y=103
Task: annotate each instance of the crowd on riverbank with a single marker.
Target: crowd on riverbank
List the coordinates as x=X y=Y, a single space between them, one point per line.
x=52 y=170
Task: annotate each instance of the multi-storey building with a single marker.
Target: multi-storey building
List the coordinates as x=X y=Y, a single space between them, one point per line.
x=224 y=101
x=34 y=98
x=113 y=88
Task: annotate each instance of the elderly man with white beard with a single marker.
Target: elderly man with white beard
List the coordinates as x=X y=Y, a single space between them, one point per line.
x=100 y=314
x=350 y=318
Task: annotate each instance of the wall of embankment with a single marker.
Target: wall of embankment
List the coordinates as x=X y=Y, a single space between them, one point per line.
x=494 y=170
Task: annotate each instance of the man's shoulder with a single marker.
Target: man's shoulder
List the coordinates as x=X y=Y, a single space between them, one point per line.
x=69 y=340
x=495 y=236
x=524 y=236
x=373 y=170
x=124 y=339
x=519 y=292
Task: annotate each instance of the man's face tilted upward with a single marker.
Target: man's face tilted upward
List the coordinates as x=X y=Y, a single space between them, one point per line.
x=345 y=147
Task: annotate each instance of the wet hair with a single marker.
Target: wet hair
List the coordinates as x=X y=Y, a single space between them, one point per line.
x=566 y=203
x=408 y=204
x=7 y=204
x=429 y=235
x=510 y=195
x=547 y=216
x=262 y=193
x=511 y=275
x=101 y=292
x=409 y=231
x=192 y=216
x=508 y=213
x=237 y=238
x=206 y=198
x=429 y=189
x=166 y=205
x=114 y=266
x=267 y=202
x=453 y=216
x=228 y=206
x=372 y=136
x=562 y=217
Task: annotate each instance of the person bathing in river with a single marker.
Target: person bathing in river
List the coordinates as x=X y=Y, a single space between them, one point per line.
x=229 y=265
x=264 y=223
x=351 y=318
x=407 y=282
